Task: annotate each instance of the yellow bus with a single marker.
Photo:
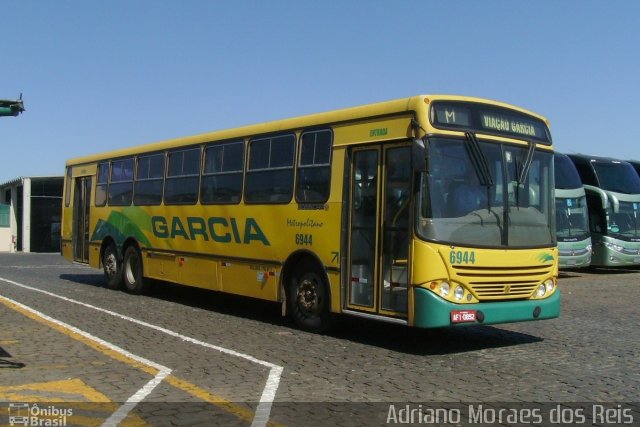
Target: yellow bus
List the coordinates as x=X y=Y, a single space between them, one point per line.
x=428 y=211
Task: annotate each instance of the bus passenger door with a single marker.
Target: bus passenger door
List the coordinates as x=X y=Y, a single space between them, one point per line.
x=396 y=214
x=81 y=208
x=379 y=218
x=361 y=292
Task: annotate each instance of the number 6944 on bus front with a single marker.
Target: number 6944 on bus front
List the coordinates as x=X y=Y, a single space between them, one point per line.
x=462 y=257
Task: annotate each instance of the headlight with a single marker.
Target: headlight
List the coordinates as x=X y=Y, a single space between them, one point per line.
x=589 y=248
x=549 y=285
x=458 y=293
x=615 y=247
x=444 y=289
x=542 y=289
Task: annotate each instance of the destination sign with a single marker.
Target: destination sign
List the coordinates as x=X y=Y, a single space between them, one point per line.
x=505 y=124
x=481 y=118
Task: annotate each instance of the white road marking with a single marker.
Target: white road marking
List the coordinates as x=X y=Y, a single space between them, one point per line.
x=263 y=411
x=122 y=412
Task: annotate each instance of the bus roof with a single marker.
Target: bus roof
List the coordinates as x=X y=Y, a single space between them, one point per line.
x=566 y=174
x=417 y=103
x=590 y=157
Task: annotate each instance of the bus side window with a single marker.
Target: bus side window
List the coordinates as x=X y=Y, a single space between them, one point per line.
x=147 y=187
x=121 y=182
x=183 y=177
x=222 y=174
x=314 y=167
x=102 y=184
x=269 y=176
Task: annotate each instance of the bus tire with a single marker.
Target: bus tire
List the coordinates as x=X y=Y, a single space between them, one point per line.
x=132 y=278
x=112 y=267
x=310 y=305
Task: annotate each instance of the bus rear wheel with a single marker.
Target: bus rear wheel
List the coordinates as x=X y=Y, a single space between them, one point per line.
x=134 y=282
x=309 y=301
x=112 y=267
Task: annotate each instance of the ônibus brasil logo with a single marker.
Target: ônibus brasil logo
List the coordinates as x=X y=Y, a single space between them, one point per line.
x=32 y=414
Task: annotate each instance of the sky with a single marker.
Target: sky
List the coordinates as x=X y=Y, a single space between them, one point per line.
x=101 y=75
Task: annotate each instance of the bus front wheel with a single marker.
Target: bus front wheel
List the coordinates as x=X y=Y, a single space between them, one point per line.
x=134 y=283
x=112 y=267
x=309 y=301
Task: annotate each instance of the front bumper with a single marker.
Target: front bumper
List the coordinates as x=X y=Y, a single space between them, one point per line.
x=431 y=311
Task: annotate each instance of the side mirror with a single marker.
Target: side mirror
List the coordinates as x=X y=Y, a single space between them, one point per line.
x=604 y=199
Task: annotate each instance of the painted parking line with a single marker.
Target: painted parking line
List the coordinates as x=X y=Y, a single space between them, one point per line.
x=41 y=392
x=158 y=371
x=65 y=390
x=263 y=411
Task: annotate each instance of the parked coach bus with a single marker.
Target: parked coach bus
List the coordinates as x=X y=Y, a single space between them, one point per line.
x=613 y=200
x=572 y=217
x=428 y=211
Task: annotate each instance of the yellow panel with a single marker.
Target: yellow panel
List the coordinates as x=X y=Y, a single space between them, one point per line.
x=160 y=266
x=67 y=249
x=199 y=272
x=373 y=130
x=431 y=265
x=94 y=255
x=336 y=294
x=84 y=170
x=253 y=280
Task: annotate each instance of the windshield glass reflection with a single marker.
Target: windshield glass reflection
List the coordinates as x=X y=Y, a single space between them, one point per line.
x=455 y=207
x=572 y=218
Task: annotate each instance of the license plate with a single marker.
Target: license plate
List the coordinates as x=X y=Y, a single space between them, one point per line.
x=463 y=316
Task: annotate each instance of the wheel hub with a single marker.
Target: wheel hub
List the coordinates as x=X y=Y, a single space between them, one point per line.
x=110 y=265
x=308 y=295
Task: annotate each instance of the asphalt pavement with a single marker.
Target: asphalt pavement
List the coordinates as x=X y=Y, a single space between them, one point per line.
x=75 y=353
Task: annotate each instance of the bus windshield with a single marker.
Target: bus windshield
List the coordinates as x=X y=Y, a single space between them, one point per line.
x=572 y=222
x=460 y=205
x=619 y=177
x=625 y=224
x=566 y=175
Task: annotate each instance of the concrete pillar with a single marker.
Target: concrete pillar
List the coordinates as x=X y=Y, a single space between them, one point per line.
x=26 y=215
x=13 y=219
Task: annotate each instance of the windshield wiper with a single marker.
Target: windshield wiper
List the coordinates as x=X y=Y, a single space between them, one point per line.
x=526 y=165
x=523 y=170
x=479 y=160
x=479 y=164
